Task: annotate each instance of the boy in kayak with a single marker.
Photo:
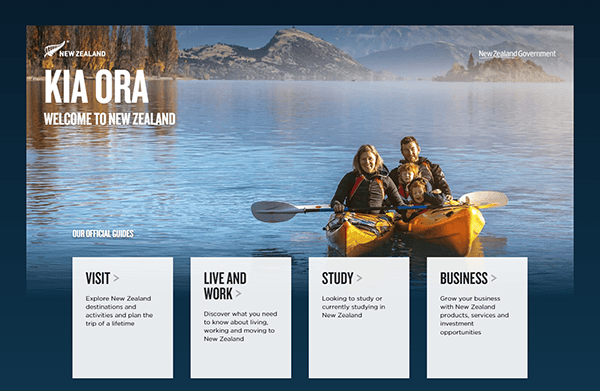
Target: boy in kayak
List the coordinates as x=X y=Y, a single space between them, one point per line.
x=365 y=187
x=420 y=196
x=409 y=147
x=406 y=173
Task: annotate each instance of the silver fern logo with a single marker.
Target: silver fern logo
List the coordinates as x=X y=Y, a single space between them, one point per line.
x=51 y=49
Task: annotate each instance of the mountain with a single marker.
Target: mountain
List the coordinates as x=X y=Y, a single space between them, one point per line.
x=434 y=59
x=560 y=65
x=434 y=48
x=290 y=55
x=499 y=70
x=361 y=41
x=420 y=61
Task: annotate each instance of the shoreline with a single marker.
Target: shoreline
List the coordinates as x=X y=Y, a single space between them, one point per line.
x=158 y=78
x=42 y=78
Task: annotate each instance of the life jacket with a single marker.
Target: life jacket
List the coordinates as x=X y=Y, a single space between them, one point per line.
x=359 y=180
x=402 y=191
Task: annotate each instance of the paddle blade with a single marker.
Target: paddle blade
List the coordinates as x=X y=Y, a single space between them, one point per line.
x=485 y=199
x=274 y=211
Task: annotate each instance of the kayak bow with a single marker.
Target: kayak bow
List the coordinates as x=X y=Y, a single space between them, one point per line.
x=354 y=234
x=454 y=227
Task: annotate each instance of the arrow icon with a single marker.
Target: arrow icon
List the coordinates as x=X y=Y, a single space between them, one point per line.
x=493 y=277
x=238 y=293
x=116 y=277
x=359 y=278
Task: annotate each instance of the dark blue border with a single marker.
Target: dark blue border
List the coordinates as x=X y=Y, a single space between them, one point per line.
x=36 y=333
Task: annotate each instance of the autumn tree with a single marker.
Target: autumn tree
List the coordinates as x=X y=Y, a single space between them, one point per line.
x=124 y=47
x=121 y=37
x=33 y=49
x=92 y=39
x=137 y=48
x=162 y=49
x=40 y=37
x=113 y=50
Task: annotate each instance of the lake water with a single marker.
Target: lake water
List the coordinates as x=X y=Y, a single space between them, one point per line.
x=186 y=190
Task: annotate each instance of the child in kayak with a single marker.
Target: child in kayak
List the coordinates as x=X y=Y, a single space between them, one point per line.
x=406 y=173
x=366 y=187
x=420 y=196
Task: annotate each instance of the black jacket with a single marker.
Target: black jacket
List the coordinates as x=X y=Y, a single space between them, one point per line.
x=432 y=172
x=368 y=194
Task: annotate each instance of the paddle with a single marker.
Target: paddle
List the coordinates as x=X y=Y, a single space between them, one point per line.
x=484 y=199
x=276 y=212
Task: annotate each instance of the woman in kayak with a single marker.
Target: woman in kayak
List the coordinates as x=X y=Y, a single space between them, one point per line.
x=420 y=196
x=365 y=187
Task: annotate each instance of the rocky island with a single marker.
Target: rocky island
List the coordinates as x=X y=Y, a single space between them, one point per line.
x=498 y=70
x=290 y=55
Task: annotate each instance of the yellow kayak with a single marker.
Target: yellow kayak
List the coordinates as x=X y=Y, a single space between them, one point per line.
x=454 y=227
x=353 y=234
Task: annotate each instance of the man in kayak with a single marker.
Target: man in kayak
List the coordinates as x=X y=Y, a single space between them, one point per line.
x=366 y=187
x=409 y=147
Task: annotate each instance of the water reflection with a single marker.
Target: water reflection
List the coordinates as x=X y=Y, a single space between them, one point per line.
x=45 y=137
x=186 y=189
x=76 y=170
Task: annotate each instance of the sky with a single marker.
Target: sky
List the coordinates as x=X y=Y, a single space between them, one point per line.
x=252 y=37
